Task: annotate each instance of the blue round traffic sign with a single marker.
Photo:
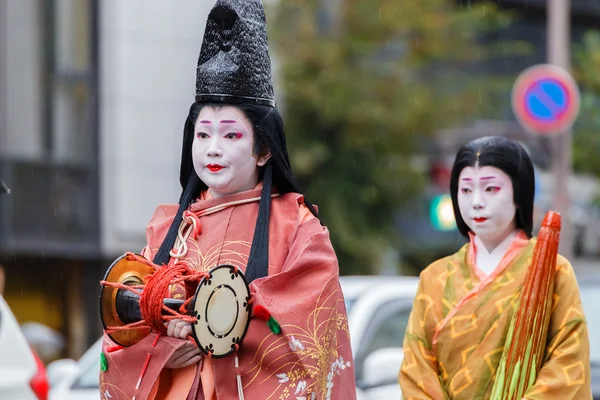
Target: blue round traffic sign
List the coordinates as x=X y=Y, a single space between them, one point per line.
x=545 y=99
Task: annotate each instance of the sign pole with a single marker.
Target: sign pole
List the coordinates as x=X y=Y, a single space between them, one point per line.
x=558 y=16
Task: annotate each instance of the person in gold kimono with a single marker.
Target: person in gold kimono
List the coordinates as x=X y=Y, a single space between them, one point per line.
x=465 y=302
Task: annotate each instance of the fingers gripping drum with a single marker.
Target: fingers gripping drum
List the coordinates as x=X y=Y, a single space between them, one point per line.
x=217 y=303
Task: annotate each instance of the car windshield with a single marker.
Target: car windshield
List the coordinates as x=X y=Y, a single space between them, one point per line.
x=590 y=297
x=89 y=378
x=349 y=304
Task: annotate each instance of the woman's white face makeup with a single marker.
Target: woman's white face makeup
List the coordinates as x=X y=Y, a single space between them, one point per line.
x=486 y=203
x=223 y=151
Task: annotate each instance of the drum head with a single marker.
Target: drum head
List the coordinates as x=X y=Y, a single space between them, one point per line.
x=127 y=271
x=222 y=311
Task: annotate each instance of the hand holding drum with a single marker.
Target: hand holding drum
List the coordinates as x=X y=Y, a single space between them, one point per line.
x=218 y=303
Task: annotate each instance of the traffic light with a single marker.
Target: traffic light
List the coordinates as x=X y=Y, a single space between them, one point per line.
x=439 y=173
x=441 y=213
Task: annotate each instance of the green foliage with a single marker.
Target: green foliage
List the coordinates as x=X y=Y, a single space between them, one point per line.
x=363 y=84
x=586 y=136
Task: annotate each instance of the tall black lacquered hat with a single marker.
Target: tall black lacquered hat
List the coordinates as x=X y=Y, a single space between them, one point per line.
x=234 y=65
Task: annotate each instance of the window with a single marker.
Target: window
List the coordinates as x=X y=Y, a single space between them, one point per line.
x=49 y=126
x=70 y=81
x=21 y=79
x=47 y=84
x=349 y=303
x=90 y=378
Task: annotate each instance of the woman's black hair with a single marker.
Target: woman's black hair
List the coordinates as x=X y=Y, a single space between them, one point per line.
x=277 y=172
x=511 y=158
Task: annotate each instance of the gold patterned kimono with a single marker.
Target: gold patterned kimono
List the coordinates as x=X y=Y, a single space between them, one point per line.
x=460 y=320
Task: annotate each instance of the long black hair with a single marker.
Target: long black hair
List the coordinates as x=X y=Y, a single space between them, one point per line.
x=508 y=156
x=268 y=134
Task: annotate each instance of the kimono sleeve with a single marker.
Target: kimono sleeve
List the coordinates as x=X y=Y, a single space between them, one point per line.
x=144 y=361
x=419 y=373
x=136 y=370
x=313 y=357
x=565 y=374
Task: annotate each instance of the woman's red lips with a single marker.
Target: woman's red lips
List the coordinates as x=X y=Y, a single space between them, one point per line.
x=479 y=220
x=214 y=167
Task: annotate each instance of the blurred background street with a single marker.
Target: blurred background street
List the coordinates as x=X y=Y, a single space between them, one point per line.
x=377 y=97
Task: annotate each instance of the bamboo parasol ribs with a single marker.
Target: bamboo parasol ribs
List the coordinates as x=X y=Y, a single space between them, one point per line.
x=527 y=336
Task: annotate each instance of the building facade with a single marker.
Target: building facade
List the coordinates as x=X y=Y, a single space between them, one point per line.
x=93 y=98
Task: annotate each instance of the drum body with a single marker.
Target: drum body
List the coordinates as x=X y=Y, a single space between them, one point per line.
x=222 y=311
x=221 y=306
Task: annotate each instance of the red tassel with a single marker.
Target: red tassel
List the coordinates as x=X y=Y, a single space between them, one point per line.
x=261 y=313
x=114 y=348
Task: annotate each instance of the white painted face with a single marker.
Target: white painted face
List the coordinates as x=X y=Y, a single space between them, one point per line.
x=223 y=151
x=486 y=202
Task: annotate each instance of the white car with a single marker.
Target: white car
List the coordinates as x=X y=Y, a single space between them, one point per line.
x=378 y=309
x=70 y=380
x=22 y=373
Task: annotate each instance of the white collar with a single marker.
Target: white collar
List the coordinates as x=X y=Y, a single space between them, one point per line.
x=501 y=248
x=486 y=261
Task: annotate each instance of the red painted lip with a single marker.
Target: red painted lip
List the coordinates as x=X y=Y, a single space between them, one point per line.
x=479 y=220
x=214 y=167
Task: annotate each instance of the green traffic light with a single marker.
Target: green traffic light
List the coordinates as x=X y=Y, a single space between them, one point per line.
x=441 y=213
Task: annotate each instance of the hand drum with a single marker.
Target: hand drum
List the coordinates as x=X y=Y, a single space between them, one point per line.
x=220 y=305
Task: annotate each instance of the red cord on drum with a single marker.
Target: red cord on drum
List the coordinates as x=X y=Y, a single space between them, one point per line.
x=151 y=301
x=151 y=298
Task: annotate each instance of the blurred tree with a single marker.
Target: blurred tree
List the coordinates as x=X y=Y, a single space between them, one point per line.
x=364 y=82
x=586 y=63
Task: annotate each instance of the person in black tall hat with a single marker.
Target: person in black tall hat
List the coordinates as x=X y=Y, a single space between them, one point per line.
x=245 y=208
